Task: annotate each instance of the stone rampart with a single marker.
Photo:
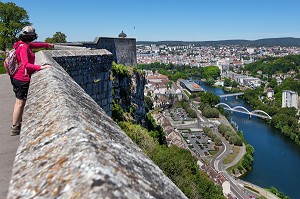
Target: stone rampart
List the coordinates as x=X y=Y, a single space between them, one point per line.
x=123 y=49
x=70 y=148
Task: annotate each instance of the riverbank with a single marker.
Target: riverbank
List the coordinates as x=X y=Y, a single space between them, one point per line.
x=247 y=185
x=277 y=158
x=244 y=159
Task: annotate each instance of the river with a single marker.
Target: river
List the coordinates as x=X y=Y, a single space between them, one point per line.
x=276 y=158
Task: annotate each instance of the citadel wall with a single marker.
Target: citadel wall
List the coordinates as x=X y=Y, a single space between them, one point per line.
x=70 y=148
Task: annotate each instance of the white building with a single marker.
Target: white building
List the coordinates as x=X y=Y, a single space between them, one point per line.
x=223 y=64
x=250 y=50
x=270 y=93
x=289 y=99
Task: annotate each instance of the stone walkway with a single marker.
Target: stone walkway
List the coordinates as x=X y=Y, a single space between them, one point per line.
x=8 y=144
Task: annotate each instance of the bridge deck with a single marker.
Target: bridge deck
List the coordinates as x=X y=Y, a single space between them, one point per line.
x=231 y=94
x=8 y=144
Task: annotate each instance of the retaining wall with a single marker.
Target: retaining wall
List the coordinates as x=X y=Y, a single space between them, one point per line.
x=70 y=148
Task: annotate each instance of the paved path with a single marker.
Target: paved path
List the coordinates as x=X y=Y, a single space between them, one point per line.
x=237 y=158
x=8 y=144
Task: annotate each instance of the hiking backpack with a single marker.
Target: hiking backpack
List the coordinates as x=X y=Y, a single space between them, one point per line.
x=11 y=62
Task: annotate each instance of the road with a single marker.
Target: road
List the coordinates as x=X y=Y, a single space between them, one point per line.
x=216 y=161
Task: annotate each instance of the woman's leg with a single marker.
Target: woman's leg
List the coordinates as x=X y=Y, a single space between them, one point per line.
x=21 y=89
x=18 y=111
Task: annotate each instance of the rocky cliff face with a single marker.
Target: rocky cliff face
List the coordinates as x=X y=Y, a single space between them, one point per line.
x=128 y=92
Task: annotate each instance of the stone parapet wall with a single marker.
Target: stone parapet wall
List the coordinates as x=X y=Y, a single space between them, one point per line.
x=91 y=70
x=70 y=148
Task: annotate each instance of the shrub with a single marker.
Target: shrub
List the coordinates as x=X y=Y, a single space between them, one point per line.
x=209 y=112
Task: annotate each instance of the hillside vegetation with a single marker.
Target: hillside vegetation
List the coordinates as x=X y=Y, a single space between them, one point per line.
x=178 y=164
x=272 y=65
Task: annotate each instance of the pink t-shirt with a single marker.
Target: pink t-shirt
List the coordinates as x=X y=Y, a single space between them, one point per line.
x=26 y=57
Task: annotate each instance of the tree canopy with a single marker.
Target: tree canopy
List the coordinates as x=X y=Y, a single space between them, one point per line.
x=273 y=65
x=58 y=37
x=211 y=72
x=178 y=164
x=12 y=19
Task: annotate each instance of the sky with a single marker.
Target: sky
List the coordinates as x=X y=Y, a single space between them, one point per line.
x=161 y=20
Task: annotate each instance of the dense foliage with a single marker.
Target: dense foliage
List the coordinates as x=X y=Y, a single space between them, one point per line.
x=230 y=135
x=121 y=70
x=206 y=98
x=272 y=65
x=175 y=72
x=278 y=193
x=178 y=164
x=181 y=167
x=209 y=112
x=117 y=113
x=230 y=83
x=12 y=19
x=211 y=72
x=213 y=136
x=140 y=136
x=156 y=131
x=148 y=103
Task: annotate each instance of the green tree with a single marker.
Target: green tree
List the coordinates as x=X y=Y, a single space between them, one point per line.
x=218 y=141
x=210 y=112
x=12 y=19
x=227 y=82
x=148 y=102
x=58 y=37
x=273 y=83
x=210 y=81
x=210 y=98
x=181 y=167
x=211 y=72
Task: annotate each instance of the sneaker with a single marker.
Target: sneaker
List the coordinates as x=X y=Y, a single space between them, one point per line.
x=15 y=130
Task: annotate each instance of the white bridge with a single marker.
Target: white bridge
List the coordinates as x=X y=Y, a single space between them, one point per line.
x=231 y=95
x=241 y=109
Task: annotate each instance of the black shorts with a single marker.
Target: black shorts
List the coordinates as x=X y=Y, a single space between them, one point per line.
x=20 y=88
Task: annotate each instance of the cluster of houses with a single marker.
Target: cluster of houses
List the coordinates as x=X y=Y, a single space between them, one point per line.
x=160 y=90
x=172 y=134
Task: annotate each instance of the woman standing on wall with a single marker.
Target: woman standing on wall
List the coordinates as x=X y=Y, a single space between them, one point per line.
x=21 y=79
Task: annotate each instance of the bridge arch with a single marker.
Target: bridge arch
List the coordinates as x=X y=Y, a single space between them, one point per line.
x=224 y=105
x=260 y=111
x=256 y=112
x=241 y=107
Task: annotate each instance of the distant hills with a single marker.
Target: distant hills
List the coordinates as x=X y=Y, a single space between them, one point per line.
x=284 y=41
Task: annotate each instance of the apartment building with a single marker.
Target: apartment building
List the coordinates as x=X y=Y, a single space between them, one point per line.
x=289 y=99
